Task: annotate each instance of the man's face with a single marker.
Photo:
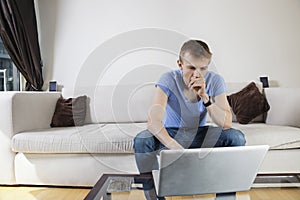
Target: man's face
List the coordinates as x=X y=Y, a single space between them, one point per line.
x=192 y=66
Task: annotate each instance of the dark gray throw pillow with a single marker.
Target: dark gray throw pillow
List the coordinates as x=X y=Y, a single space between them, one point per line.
x=69 y=112
x=248 y=103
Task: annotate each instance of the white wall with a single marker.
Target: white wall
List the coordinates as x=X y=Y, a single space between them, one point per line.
x=248 y=38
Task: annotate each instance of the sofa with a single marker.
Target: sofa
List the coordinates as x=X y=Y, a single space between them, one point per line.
x=33 y=153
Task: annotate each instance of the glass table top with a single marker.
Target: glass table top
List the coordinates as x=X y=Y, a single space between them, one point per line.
x=129 y=186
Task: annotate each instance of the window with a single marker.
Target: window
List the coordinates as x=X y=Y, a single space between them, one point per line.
x=9 y=74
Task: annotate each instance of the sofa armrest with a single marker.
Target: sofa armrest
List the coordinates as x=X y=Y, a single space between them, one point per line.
x=7 y=175
x=33 y=110
x=284 y=106
x=21 y=111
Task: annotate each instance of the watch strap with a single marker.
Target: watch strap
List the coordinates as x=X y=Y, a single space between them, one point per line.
x=207 y=103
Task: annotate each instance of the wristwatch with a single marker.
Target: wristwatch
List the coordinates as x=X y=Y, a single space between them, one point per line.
x=207 y=103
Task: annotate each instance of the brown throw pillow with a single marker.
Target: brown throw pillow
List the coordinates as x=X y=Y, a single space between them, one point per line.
x=69 y=112
x=248 y=103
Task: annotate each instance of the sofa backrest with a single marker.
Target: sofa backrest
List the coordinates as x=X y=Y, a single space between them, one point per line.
x=284 y=106
x=233 y=87
x=31 y=110
x=116 y=103
x=126 y=102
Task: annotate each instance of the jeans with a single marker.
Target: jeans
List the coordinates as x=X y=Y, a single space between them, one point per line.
x=147 y=146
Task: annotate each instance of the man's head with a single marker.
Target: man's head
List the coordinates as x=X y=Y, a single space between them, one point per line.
x=196 y=48
x=194 y=59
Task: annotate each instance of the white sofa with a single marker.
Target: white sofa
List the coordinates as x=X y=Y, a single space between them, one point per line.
x=33 y=153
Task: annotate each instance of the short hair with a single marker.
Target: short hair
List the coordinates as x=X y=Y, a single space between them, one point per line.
x=196 y=48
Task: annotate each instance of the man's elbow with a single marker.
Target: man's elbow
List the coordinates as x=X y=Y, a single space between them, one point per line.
x=154 y=126
x=227 y=125
x=228 y=122
x=149 y=126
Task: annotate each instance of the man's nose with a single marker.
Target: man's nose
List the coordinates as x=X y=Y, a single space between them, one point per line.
x=196 y=73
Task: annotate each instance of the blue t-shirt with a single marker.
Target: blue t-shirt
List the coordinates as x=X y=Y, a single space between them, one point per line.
x=180 y=112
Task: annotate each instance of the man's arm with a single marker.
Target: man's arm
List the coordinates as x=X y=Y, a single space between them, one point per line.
x=219 y=111
x=155 y=117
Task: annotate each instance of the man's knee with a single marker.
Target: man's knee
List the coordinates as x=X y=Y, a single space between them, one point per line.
x=235 y=137
x=142 y=141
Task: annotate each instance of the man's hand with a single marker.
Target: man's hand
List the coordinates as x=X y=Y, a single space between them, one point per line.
x=197 y=84
x=174 y=145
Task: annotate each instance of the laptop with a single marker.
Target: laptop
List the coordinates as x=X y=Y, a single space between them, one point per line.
x=208 y=170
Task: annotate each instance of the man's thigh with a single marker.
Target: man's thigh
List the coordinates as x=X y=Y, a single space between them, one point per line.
x=206 y=137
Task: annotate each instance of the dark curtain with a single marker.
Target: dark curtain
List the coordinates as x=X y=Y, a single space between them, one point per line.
x=18 y=29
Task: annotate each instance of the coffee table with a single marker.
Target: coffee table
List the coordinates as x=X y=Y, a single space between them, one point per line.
x=139 y=187
x=130 y=186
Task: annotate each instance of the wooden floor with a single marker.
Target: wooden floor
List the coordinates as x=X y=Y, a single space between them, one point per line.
x=44 y=193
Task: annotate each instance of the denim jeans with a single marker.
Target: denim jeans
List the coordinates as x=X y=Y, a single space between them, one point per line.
x=147 y=146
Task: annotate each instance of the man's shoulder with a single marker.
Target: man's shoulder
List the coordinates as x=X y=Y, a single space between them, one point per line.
x=215 y=84
x=174 y=74
x=212 y=76
x=169 y=81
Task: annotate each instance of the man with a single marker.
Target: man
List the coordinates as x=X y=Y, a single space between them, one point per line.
x=181 y=102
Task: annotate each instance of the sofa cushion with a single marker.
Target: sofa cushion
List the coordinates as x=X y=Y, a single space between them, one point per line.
x=92 y=138
x=69 y=112
x=234 y=87
x=277 y=137
x=248 y=103
x=118 y=138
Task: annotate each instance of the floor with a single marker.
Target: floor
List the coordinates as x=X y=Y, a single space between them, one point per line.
x=42 y=193
x=50 y=193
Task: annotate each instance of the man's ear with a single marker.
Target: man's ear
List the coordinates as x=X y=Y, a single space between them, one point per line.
x=179 y=64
